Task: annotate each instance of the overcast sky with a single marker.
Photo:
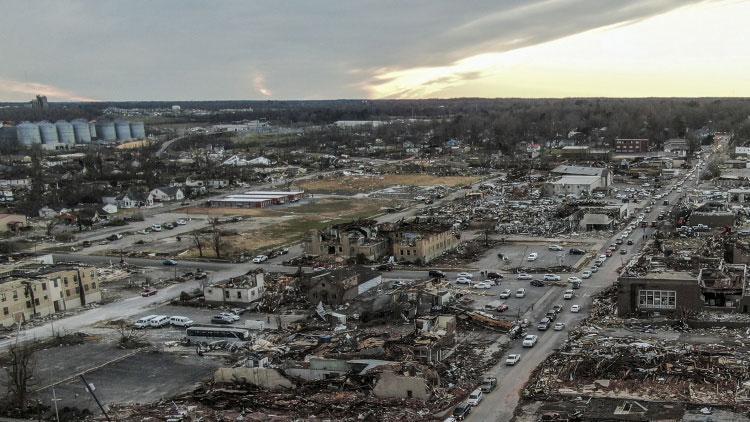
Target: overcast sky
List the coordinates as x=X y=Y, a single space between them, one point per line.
x=302 y=49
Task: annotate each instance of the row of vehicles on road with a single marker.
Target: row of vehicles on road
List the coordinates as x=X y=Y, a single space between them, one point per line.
x=463 y=409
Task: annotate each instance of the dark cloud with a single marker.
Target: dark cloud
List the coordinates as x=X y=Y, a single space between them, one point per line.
x=188 y=49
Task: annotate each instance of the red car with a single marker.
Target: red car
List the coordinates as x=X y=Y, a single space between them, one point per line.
x=502 y=308
x=148 y=292
x=608 y=253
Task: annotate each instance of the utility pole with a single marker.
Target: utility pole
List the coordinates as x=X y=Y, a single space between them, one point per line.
x=91 y=391
x=54 y=401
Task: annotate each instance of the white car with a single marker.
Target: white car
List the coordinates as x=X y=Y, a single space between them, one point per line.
x=559 y=326
x=465 y=275
x=156 y=227
x=586 y=274
x=551 y=277
x=505 y=294
x=260 y=258
x=574 y=279
x=575 y=308
x=524 y=276
x=482 y=285
x=512 y=359
x=555 y=247
x=532 y=256
x=603 y=257
x=568 y=294
x=521 y=292
x=530 y=340
x=181 y=222
x=463 y=280
x=229 y=315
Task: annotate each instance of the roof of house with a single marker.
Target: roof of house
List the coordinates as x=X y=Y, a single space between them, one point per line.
x=580 y=171
x=169 y=190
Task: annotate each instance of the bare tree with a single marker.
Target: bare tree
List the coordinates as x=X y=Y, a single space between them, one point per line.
x=130 y=338
x=20 y=372
x=50 y=226
x=198 y=243
x=216 y=237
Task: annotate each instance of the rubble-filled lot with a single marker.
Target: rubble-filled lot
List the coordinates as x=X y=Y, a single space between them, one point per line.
x=368 y=183
x=652 y=363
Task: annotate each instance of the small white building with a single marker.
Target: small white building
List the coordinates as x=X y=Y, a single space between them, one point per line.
x=575 y=185
x=166 y=194
x=239 y=291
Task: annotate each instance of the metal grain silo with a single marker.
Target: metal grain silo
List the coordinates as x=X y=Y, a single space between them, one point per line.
x=92 y=129
x=65 y=132
x=81 y=131
x=137 y=130
x=106 y=130
x=28 y=133
x=122 y=129
x=48 y=132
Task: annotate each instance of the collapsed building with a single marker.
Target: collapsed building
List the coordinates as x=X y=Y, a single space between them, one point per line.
x=683 y=282
x=359 y=238
x=241 y=290
x=339 y=286
x=419 y=240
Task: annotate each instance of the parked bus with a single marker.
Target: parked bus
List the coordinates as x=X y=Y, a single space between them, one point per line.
x=211 y=333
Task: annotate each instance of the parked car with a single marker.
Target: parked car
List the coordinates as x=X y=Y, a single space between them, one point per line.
x=576 y=251
x=555 y=247
x=463 y=280
x=488 y=384
x=512 y=359
x=218 y=319
x=494 y=275
x=436 y=273
x=462 y=411
x=260 y=258
x=465 y=275
x=475 y=397
x=156 y=227
x=144 y=321
x=502 y=307
x=181 y=222
x=543 y=324
x=180 y=321
x=586 y=274
x=537 y=283
x=630 y=242
x=148 y=292
x=523 y=276
x=623 y=251
x=532 y=256
x=230 y=315
x=608 y=253
x=557 y=308
x=159 y=321
x=482 y=285
x=575 y=308
x=568 y=295
x=169 y=262
x=551 y=315
x=573 y=279
x=505 y=294
x=551 y=277
x=530 y=340
x=559 y=326
x=113 y=237
x=521 y=292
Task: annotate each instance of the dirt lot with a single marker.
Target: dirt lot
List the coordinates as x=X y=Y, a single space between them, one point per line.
x=272 y=227
x=364 y=184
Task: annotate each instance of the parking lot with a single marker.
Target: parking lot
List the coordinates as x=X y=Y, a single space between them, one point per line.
x=517 y=255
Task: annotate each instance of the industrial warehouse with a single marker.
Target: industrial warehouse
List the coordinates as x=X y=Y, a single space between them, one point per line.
x=257 y=199
x=65 y=134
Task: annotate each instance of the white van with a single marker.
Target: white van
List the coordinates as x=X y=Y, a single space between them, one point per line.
x=475 y=397
x=156 y=227
x=144 y=322
x=159 y=321
x=180 y=321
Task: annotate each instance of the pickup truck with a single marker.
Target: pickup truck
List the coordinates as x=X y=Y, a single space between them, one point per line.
x=488 y=384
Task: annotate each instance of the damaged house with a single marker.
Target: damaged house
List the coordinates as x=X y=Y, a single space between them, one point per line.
x=358 y=238
x=419 y=240
x=436 y=335
x=238 y=291
x=339 y=286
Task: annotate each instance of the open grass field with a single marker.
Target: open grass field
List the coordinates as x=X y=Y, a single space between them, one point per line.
x=365 y=184
x=289 y=224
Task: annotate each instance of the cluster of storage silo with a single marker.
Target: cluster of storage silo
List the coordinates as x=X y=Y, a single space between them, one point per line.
x=78 y=131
